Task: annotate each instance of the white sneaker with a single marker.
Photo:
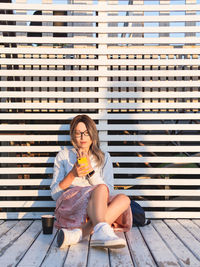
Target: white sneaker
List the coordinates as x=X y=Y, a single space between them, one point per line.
x=68 y=237
x=105 y=237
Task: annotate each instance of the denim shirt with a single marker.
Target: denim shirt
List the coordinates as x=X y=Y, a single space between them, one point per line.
x=64 y=163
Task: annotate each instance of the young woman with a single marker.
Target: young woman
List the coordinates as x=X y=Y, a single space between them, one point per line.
x=84 y=193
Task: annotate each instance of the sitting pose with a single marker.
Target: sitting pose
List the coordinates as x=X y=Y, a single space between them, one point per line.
x=84 y=192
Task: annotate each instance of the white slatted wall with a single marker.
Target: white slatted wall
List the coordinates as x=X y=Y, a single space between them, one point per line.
x=134 y=67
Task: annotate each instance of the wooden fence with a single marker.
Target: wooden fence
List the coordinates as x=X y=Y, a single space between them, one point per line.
x=133 y=67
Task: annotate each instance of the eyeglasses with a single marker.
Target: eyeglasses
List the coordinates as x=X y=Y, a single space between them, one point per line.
x=79 y=134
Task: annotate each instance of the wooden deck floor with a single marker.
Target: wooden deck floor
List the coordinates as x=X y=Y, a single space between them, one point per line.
x=162 y=243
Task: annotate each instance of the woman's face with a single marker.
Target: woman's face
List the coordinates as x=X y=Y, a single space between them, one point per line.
x=82 y=137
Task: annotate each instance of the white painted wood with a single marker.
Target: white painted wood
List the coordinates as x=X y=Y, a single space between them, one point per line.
x=55 y=256
x=108 y=62
x=138 y=249
x=126 y=181
x=184 y=256
x=104 y=138
x=164 y=79
x=65 y=51
x=120 y=257
x=77 y=254
x=180 y=160
x=100 y=94
x=6 y=226
x=110 y=149
x=186 y=237
x=113 y=127
x=12 y=235
x=135 y=116
x=99 y=7
x=51 y=40
x=161 y=253
x=100 y=29
x=191 y=227
x=16 y=251
x=27 y=204
x=178 y=18
x=48 y=170
x=98 y=257
x=38 y=250
x=23 y=215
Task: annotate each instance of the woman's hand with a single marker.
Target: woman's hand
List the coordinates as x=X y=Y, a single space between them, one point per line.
x=81 y=170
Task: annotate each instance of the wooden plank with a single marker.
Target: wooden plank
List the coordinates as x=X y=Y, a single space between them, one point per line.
x=6 y=226
x=191 y=227
x=23 y=215
x=120 y=257
x=82 y=18
x=77 y=254
x=11 y=236
x=161 y=253
x=139 y=250
x=107 y=127
x=36 y=254
x=92 y=62
x=20 y=246
x=98 y=257
x=55 y=256
x=99 y=51
x=184 y=256
x=110 y=7
x=185 y=236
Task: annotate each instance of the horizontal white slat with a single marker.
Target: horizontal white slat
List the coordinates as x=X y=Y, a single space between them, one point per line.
x=99 y=105
x=153 y=215
x=100 y=62
x=99 y=29
x=20 y=170
x=158 y=192
x=172 y=215
x=99 y=7
x=114 y=159
x=157 y=170
x=23 y=215
x=156 y=137
x=23 y=193
x=30 y=148
x=109 y=116
x=99 y=95
x=101 y=40
x=149 y=203
x=148 y=181
x=117 y=182
x=47 y=170
x=25 y=182
x=170 y=203
x=109 y=148
x=27 y=159
x=108 y=127
x=26 y=204
x=83 y=18
x=142 y=192
x=90 y=73
x=137 y=50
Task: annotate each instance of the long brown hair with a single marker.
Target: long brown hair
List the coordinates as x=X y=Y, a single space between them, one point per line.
x=92 y=130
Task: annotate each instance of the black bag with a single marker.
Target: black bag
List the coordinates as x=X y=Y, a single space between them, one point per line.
x=139 y=218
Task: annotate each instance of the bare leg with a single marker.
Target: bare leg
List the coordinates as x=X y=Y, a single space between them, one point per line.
x=100 y=211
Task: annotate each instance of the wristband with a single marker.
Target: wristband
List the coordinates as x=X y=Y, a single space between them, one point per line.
x=90 y=174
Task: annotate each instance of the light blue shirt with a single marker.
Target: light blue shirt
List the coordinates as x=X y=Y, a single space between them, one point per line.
x=64 y=163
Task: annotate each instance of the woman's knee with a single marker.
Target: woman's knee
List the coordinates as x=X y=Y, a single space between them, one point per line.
x=124 y=198
x=101 y=187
